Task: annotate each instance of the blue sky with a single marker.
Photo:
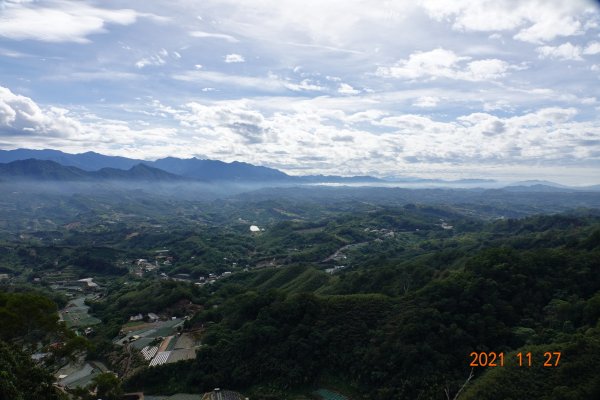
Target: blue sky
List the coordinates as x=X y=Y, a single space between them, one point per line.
x=506 y=89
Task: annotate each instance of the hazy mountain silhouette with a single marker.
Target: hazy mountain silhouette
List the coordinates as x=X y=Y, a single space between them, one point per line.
x=43 y=170
x=213 y=170
x=191 y=168
x=89 y=161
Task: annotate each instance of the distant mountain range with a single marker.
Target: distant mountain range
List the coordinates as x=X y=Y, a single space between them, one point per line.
x=32 y=169
x=88 y=161
x=37 y=165
x=193 y=168
x=213 y=170
x=539 y=186
x=57 y=165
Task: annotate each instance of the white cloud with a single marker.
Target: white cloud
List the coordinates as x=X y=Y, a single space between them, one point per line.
x=565 y=51
x=154 y=60
x=270 y=83
x=426 y=101
x=536 y=21
x=12 y=53
x=489 y=106
x=474 y=15
x=319 y=134
x=592 y=48
x=589 y=100
x=366 y=116
x=441 y=63
x=203 y=76
x=332 y=25
x=60 y=21
x=345 y=88
x=234 y=58
x=20 y=114
x=434 y=63
x=88 y=76
x=484 y=70
x=552 y=116
x=157 y=59
x=548 y=29
x=28 y=124
x=222 y=36
x=544 y=136
x=233 y=119
x=304 y=85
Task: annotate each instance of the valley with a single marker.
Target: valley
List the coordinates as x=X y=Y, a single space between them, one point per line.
x=354 y=293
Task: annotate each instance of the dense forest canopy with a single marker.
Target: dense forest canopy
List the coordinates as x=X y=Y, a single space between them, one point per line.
x=528 y=284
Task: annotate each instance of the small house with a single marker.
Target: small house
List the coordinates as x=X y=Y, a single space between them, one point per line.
x=138 y=317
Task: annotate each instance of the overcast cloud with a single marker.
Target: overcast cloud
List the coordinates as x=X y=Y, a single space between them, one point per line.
x=447 y=88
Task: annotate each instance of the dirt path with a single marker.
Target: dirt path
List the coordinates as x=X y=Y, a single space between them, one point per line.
x=130 y=356
x=165 y=343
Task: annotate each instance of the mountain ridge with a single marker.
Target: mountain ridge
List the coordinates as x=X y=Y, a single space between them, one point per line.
x=45 y=170
x=91 y=165
x=190 y=168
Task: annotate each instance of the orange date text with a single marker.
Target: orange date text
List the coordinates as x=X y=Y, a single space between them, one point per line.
x=521 y=359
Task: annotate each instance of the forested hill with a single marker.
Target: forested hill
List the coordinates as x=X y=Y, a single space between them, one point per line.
x=404 y=328
x=40 y=170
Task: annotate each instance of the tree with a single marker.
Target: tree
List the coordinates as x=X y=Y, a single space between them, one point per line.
x=21 y=379
x=108 y=386
x=27 y=316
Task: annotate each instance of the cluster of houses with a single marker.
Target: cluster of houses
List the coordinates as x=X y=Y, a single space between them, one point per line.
x=383 y=232
x=80 y=286
x=201 y=281
x=212 y=278
x=139 y=317
x=143 y=266
x=178 y=277
x=163 y=257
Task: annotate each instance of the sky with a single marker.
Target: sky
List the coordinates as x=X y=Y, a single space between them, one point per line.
x=502 y=89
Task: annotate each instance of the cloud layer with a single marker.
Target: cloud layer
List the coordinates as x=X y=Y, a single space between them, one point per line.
x=59 y=21
x=317 y=135
x=438 y=87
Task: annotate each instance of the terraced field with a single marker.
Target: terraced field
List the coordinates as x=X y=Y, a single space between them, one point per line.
x=75 y=314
